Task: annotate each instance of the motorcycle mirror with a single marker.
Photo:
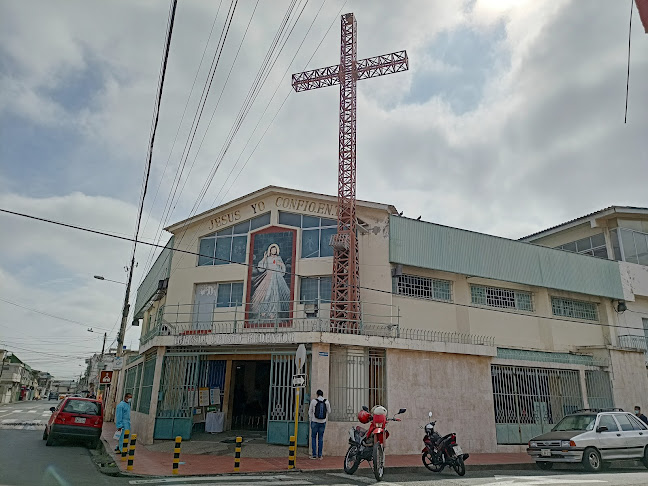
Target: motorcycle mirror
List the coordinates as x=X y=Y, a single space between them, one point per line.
x=402 y=410
x=365 y=408
x=430 y=414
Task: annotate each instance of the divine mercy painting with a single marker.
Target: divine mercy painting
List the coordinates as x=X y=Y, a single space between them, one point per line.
x=271 y=279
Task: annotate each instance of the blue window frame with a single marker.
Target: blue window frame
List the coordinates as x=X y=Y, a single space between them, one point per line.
x=316 y=233
x=229 y=245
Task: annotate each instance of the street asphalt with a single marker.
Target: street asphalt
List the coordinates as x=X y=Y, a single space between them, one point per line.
x=26 y=461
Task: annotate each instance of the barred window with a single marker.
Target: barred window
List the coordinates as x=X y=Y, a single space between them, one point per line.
x=574 y=308
x=502 y=298
x=424 y=287
x=357 y=378
x=592 y=246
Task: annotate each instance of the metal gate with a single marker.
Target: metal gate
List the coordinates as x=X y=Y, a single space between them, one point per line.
x=281 y=406
x=530 y=401
x=599 y=389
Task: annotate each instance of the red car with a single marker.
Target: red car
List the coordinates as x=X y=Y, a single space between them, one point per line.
x=75 y=418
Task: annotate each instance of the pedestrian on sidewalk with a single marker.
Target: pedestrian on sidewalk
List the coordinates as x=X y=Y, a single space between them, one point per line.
x=318 y=412
x=640 y=415
x=122 y=418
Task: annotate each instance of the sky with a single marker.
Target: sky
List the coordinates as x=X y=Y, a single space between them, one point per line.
x=509 y=120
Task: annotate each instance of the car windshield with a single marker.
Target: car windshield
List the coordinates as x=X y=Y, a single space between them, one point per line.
x=82 y=406
x=576 y=422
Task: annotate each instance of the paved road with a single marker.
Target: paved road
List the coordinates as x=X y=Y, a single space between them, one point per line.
x=26 y=461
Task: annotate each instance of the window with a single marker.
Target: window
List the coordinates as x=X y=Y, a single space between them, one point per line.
x=624 y=422
x=357 y=378
x=315 y=290
x=637 y=423
x=147 y=384
x=630 y=246
x=592 y=246
x=502 y=298
x=574 y=308
x=230 y=294
x=608 y=421
x=83 y=407
x=316 y=233
x=424 y=287
x=229 y=245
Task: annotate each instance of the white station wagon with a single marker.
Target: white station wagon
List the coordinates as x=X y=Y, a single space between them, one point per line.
x=592 y=437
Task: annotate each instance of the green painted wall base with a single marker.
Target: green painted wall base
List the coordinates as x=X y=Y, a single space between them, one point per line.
x=279 y=432
x=170 y=428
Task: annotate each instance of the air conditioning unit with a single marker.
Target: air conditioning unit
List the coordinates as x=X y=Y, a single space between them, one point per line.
x=163 y=284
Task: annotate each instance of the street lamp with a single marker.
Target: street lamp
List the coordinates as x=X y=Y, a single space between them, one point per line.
x=99 y=277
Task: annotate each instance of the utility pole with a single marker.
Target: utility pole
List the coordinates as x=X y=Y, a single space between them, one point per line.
x=112 y=397
x=103 y=348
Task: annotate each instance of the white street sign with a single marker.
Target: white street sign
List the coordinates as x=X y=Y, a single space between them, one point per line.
x=298 y=380
x=300 y=358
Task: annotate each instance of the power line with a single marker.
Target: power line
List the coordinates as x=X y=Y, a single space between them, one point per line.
x=625 y=120
x=166 y=213
x=52 y=315
x=166 y=165
x=305 y=276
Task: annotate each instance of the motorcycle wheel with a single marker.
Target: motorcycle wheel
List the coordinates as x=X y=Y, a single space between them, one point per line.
x=428 y=463
x=459 y=466
x=351 y=460
x=378 y=461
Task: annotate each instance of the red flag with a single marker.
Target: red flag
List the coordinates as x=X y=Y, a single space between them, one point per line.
x=642 y=6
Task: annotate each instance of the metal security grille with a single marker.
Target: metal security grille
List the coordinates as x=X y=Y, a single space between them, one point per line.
x=136 y=386
x=599 y=389
x=423 y=287
x=282 y=393
x=129 y=384
x=530 y=401
x=574 y=308
x=147 y=384
x=178 y=386
x=502 y=298
x=357 y=378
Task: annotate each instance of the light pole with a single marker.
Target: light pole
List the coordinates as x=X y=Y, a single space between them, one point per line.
x=99 y=277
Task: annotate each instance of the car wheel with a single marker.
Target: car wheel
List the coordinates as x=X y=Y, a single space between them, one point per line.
x=592 y=460
x=50 y=440
x=45 y=433
x=544 y=465
x=644 y=459
x=93 y=444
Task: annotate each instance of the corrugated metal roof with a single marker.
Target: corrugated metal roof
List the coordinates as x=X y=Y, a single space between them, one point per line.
x=427 y=245
x=160 y=270
x=571 y=222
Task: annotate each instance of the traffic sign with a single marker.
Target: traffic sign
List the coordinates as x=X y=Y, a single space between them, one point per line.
x=300 y=358
x=105 y=377
x=298 y=380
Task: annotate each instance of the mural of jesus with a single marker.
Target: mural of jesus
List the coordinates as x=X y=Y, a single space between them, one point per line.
x=271 y=296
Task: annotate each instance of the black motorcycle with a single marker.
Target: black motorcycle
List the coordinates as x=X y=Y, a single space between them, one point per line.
x=440 y=452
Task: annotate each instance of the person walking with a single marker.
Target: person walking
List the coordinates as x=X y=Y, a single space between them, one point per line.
x=318 y=412
x=122 y=418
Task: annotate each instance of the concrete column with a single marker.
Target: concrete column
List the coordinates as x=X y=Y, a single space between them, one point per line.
x=157 y=378
x=319 y=378
x=583 y=383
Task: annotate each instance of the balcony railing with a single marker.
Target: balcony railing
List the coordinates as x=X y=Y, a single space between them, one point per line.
x=633 y=341
x=383 y=320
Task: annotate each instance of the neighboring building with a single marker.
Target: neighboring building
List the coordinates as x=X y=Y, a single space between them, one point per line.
x=95 y=365
x=10 y=377
x=498 y=338
x=617 y=233
x=64 y=386
x=44 y=383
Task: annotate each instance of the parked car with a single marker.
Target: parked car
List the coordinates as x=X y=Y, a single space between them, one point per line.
x=75 y=418
x=52 y=396
x=593 y=437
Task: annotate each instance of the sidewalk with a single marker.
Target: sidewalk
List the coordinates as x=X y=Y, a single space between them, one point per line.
x=152 y=463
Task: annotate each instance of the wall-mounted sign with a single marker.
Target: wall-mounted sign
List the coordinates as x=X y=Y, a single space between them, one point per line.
x=105 y=377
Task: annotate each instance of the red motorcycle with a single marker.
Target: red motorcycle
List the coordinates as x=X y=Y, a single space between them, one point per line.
x=368 y=444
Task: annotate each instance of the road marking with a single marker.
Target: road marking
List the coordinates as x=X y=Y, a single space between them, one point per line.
x=538 y=481
x=31 y=411
x=361 y=479
x=211 y=478
x=9 y=421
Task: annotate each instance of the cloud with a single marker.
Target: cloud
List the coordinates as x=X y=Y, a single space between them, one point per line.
x=509 y=120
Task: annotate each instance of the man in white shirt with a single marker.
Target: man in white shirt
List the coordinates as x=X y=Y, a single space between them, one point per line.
x=318 y=412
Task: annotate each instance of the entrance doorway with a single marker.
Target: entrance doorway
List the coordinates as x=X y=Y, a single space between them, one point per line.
x=251 y=393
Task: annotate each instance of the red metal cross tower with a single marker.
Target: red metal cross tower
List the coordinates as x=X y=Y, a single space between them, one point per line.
x=345 y=306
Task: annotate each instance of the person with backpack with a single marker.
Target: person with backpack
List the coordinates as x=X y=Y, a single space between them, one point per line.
x=317 y=412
